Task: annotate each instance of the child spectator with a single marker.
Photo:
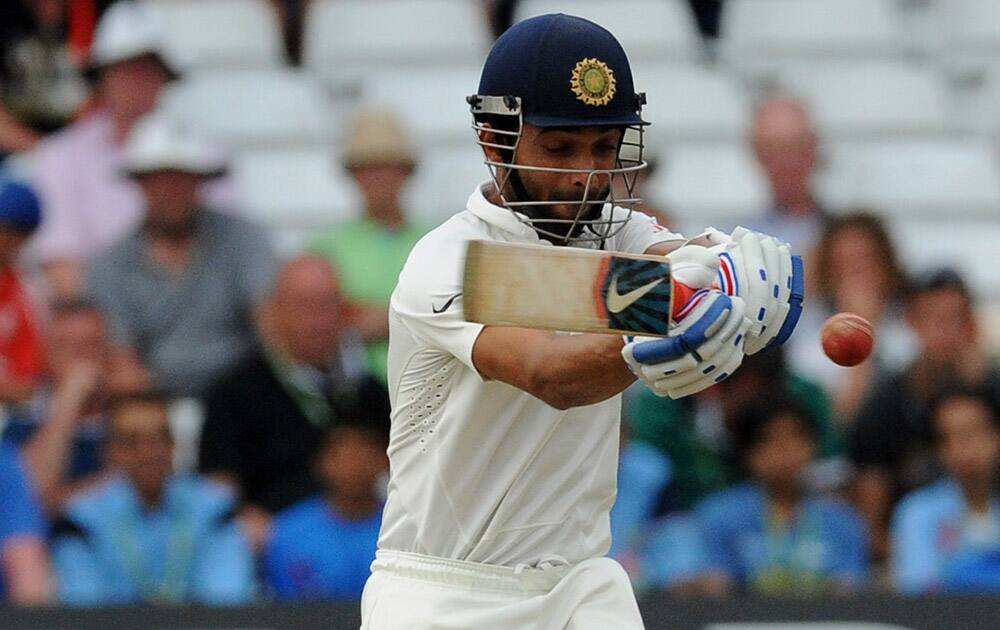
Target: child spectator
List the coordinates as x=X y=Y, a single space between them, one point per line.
x=321 y=548
x=768 y=535
x=946 y=536
x=146 y=535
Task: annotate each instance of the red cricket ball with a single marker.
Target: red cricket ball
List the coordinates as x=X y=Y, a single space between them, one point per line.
x=847 y=338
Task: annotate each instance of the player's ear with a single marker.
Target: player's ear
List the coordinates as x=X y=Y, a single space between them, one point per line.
x=489 y=137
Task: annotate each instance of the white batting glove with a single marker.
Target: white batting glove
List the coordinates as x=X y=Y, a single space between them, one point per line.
x=761 y=270
x=706 y=341
x=702 y=350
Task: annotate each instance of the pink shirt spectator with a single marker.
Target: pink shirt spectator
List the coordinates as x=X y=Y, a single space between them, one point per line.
x=89 y=204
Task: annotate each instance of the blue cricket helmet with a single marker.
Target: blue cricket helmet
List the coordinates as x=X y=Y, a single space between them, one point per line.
x=566 y=71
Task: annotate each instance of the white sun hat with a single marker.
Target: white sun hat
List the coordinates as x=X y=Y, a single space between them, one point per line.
x=128 y=30
x=159 y=143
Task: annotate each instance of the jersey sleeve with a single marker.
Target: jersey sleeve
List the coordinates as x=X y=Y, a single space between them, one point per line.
x=428 y=300
x=640 y=233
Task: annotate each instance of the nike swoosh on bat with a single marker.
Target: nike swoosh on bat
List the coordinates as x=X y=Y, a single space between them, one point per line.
x=618 y=302
x=445 y=306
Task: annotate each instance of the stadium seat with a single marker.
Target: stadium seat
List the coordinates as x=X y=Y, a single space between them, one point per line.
x=295 y=189
x=966 y=245
x=919 y=179
x=968 y=33
x=865 y=98
x=647 y=29
x=254 y=108
x=706 y=184
x=759 y=36
x=690 y=103
x=437 y=113
x=444 y=180
x=222 y=33
x=346 y=40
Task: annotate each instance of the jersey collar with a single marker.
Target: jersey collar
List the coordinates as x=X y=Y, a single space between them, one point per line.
x=503 y=218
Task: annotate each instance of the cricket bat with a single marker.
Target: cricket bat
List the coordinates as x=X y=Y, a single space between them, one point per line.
x=567 y=289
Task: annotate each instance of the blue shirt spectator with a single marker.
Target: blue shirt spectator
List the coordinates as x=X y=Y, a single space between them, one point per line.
x=643 y=472
x=768 y=535
x=823 y=545
x=23 y=575
x=146 y=535
x=946 y=536
x=317 y=553
x=323 y=547
x=674 y=553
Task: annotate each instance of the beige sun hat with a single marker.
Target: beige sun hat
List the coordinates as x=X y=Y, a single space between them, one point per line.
x=128 y=30
x=158 y=143
x=377 y=137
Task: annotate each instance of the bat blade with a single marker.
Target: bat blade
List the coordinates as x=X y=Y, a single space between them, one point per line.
x=567 y=289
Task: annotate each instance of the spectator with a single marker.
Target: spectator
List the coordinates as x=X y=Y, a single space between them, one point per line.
x=787 y=148
x=322 y=547
x=857 y=270
x=674 y=559
x=265 y=420
x=643 y=474
x=370 y=250
x=768 y=535
x=182 y=289
x=146 y=535
x=24 y=564
x=63 y=430
x=20 y=343
x=39 y=87
x=89 y=204
x=892 y=441
x=697 y=434
x=946 y=536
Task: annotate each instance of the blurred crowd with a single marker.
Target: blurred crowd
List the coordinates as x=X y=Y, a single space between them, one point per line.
x=189 y=417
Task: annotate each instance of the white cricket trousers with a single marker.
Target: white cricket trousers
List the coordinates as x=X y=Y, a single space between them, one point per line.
x=408 y=591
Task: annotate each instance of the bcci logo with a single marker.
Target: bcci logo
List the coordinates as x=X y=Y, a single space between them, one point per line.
x=593 y=82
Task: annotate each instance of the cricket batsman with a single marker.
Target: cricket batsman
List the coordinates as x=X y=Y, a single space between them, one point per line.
x=504 y=442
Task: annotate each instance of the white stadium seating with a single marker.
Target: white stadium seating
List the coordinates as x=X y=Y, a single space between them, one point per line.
x=880 y=98
x=255 y=108
x=434 y=108
x=958 y=179
x=222 y=33
x=647 y=29
x=706 y=184
x=967 y=37
x=444 y=180
x=762 y=35
x=346 y=40
x=967 y=246
x=689 y=103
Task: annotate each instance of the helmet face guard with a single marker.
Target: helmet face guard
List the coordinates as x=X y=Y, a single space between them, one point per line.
x=590 y=223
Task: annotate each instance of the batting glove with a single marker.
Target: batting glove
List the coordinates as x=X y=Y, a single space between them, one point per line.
x=761 y=270
x=707 y=337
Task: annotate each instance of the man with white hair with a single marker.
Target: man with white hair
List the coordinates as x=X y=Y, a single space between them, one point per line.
x=181 y=290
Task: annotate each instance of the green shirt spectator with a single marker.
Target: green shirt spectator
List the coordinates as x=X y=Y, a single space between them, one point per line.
x=368 y=257
x=369 y=252
x=694 y=432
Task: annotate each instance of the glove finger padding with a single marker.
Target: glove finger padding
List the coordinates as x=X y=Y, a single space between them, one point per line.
x=703 y=350
x=759 y=269
x=715 y=355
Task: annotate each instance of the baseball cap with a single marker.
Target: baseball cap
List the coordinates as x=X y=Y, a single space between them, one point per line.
x=158 y=143
x=567 y=71
x=20 y=208
x=377 y=137
x=129 y=30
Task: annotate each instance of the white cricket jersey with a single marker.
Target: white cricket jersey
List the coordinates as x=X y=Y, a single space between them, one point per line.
x=480 y=470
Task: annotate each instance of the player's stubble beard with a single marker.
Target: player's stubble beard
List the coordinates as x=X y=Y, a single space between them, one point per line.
x=589 y=209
